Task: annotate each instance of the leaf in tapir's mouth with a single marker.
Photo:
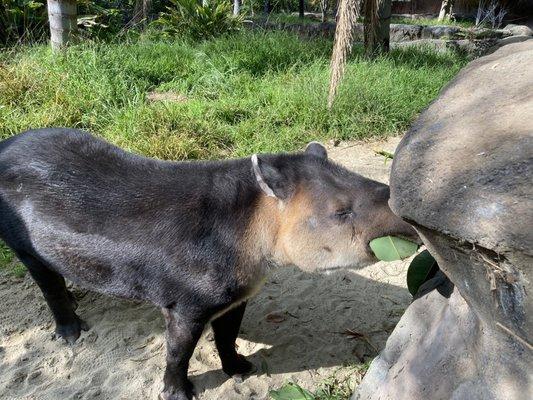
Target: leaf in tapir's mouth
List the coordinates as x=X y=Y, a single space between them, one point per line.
x=392 y=248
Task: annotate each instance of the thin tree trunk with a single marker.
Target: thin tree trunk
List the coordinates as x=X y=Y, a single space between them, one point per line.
x=324 y=9
x=141 y=11
x=236 y=7
x=266 y=7
x=445 y=9
x=377 y=26
x=62 y=16
x=301 y=8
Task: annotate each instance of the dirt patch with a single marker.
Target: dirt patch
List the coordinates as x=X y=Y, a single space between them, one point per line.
x=301 y=327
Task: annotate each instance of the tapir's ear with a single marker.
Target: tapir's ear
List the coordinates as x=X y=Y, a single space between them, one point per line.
x=270 y=179
x=316 y=149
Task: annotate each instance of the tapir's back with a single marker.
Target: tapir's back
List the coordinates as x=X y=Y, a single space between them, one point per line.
x=74 y=200
x=109 y=220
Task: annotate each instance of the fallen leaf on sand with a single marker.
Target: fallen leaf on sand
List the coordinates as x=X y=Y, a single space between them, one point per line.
x=275 y=318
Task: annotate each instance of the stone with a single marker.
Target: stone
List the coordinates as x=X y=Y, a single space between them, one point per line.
x=440 y=32
x=509 y=40
x=483 y=33
x=462 y=176
x=519 y=30
x=474 y=48
x=404 y=32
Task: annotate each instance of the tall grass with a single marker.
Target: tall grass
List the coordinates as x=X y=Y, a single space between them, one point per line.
x=238 y=94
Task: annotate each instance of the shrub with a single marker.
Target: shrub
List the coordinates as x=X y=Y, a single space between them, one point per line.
x=197 y=19
x=22 y=20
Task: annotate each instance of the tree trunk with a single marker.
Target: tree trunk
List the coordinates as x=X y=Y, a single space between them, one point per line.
x=266 y=7
x=301 y=8
x=324 y=9
x=62 y=16
x=236 y=7
x=377 y=26
x=445 y=9
x=141 y=11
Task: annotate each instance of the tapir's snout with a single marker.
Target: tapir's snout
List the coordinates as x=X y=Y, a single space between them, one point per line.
x=383 y=222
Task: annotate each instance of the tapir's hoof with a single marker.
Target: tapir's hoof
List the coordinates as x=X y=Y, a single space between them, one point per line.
x=71 y=332
x=178 y=394
x=73 y=301
x=240 y=369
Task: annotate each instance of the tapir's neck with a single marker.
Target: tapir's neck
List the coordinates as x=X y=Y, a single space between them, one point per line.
x=261 y=236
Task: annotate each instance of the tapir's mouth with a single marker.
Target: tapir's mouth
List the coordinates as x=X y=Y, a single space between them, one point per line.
x=411 y=237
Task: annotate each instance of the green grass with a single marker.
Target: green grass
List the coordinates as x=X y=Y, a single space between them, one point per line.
x=295 y=19
x=339 y=385
x=7 y=262
x=432 y=22
x=245 y=93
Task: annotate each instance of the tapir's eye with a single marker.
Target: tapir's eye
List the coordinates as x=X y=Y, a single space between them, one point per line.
x=344 y=214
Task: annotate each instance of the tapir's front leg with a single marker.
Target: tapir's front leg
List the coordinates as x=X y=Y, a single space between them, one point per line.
x=182 y=334
x=226 y=328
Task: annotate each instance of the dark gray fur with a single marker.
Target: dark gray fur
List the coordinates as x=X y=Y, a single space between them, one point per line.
x=74 y=206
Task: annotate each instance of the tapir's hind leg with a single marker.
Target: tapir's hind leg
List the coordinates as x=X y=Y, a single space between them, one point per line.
x=59 y=299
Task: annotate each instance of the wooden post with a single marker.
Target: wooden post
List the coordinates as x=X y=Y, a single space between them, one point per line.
x=236 y=7
x=62 y=16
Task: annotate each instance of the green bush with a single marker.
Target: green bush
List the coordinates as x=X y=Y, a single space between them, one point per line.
x=198 y=19
x=22 y=21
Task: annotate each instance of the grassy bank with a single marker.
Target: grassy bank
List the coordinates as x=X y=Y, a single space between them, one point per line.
x=232 y=96
x=295 y=19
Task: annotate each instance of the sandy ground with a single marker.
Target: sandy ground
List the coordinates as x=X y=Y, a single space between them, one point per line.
x=294 y=330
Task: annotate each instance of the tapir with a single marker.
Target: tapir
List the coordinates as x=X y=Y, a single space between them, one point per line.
x=195 y=238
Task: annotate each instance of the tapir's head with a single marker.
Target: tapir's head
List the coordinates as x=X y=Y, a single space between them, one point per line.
x=322 y=215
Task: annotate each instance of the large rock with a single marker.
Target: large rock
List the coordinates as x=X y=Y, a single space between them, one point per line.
x=474 y=48
x=404 y=32
x=519 y=30
x=440 y=32
x=463 y=176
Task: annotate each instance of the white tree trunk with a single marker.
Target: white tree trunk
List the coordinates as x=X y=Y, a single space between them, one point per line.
x=324 y=9
x=445 y=10
x=236 y=7
x=62 y=16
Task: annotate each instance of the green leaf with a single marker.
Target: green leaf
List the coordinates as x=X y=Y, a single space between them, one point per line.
x=391 y=248
x=291 y=391
x=422 y=268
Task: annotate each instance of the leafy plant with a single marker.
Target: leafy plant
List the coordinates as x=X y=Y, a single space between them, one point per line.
x=6 y=262
x=6 y=256
x=198 y=19
x=291 y=391
x=422 y=268
x=97 y=19
x=22 y=21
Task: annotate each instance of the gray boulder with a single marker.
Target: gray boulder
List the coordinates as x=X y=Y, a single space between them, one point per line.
x=519 y=30
x=474 y=48
x=404 y=32
x=440 y=32
x=463 y=176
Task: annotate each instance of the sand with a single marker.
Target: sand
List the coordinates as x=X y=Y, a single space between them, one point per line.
x=294 y=330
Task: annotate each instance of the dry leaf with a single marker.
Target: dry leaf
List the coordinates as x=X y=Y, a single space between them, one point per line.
x=275 y=317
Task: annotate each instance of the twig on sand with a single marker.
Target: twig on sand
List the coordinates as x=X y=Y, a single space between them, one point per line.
x=358 y=335
x=510 y=332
